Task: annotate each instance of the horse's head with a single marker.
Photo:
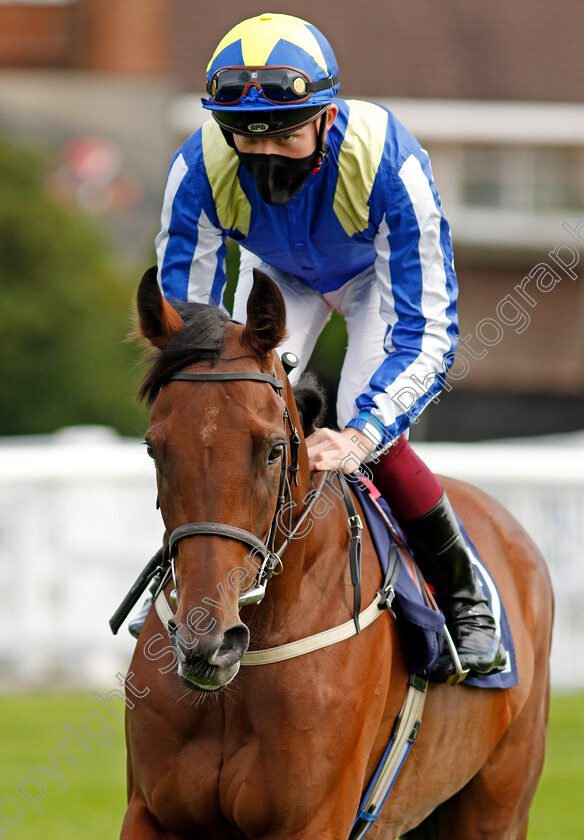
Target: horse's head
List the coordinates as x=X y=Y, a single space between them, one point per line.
x=222 y=436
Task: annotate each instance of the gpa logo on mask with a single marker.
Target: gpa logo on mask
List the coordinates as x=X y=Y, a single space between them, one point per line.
x=257 y=128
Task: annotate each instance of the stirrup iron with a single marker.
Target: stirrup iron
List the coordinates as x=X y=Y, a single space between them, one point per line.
x=460 y=673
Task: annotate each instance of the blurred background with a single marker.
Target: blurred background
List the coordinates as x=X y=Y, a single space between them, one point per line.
x=95 y=96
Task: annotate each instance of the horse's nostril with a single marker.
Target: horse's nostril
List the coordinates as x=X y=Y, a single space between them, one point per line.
x=231 y=647
x=236 y=638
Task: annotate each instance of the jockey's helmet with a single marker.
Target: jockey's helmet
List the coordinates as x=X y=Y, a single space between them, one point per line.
x=271 y=75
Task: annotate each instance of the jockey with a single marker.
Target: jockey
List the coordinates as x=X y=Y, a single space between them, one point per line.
x=335 y=201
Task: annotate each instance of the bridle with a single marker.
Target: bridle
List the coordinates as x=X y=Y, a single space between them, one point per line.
x=162 y=566
x=271 y=563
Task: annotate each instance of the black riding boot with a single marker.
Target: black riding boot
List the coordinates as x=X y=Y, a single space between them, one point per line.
x=437 y=541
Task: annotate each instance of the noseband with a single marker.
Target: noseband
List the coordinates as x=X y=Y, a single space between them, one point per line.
x=270 y=559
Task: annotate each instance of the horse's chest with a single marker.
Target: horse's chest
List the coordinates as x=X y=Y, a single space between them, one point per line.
x=216 y=793
x=183 y=790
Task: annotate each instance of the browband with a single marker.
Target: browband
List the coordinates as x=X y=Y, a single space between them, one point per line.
x=227 y=375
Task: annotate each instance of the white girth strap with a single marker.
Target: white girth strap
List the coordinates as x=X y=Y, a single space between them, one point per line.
x=302 y=646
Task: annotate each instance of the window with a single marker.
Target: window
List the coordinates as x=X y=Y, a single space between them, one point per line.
x=522 y=179
x=482 y=182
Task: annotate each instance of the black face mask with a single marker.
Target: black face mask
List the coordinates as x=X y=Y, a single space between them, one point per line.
x=278 y=178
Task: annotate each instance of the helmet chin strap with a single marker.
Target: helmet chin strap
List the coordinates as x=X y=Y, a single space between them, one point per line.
x=321 y=146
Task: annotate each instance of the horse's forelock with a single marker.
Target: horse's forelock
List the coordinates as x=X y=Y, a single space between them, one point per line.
x=200 y=340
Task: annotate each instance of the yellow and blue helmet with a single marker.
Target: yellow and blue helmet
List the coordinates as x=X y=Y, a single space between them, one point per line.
x=270 y=75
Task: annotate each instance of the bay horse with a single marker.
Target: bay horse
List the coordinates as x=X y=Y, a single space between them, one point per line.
x=284 y=751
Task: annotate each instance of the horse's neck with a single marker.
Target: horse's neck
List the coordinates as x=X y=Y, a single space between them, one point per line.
x=315 y=562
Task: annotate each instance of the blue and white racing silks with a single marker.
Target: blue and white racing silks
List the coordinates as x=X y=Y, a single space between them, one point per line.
x=372 y=206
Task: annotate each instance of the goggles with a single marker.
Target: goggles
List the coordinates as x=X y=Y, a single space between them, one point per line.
x=278 y=85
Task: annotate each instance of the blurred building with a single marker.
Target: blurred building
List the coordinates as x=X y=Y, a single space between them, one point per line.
x=493 y=92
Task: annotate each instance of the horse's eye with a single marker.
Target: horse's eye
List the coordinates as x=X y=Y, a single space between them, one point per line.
x=149 y=449
x=276 y=453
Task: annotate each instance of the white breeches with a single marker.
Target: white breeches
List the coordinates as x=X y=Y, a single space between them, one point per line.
x=307 y=312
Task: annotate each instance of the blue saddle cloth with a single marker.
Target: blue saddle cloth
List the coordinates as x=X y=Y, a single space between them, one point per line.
x=422 y=625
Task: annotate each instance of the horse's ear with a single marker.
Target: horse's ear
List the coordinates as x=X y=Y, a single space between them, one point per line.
x=159 y=321
x=266 y=315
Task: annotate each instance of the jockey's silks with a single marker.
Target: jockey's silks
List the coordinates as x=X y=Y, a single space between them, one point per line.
x=372 y=206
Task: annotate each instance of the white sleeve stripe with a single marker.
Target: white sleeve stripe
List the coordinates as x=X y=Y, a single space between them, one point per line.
x=435 y=300
x=419 y=375
x=177 y=172
x=387 y=305
x=204 y=263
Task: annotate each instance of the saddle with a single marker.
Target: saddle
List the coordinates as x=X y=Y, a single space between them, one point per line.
x=414 y=605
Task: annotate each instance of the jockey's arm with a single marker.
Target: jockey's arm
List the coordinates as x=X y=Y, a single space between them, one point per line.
x=190 y=246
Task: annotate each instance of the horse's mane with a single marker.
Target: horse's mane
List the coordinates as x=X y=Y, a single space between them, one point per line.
x=310 y=402
x=200 y=340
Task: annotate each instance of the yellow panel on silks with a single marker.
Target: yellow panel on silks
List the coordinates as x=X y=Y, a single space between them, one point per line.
x=359 y=160
x=221 y=163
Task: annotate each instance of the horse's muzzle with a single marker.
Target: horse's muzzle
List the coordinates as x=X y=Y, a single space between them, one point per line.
x=209 y=663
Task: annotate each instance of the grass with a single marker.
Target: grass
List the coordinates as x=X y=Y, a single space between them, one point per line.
x=87 y=798
x=558 y=808
x=92 y=803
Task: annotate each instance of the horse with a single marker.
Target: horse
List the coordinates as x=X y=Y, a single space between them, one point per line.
x=284 y=751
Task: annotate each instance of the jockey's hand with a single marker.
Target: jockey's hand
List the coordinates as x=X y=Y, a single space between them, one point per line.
x=344 y=451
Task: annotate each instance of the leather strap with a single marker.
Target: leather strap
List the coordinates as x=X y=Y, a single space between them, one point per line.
x=356 y=526
x=193 y=376
x=216 y=529
x=157 y=564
